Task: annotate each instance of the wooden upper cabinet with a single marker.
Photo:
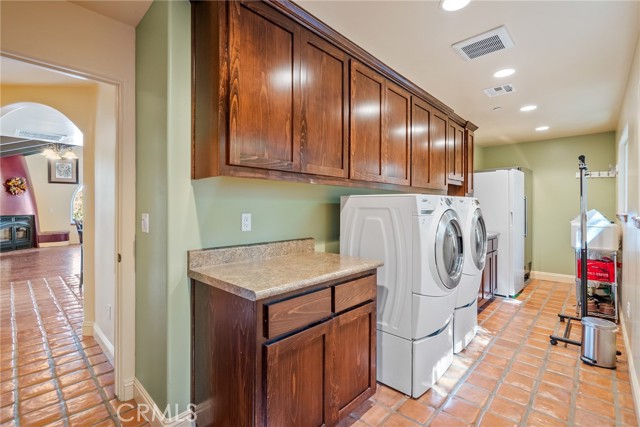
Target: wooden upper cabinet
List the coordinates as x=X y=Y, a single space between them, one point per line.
x=468 y=179
x=264 y=72
x=428 y=146
x=397 y=135
x=380 y=128
x=455 y=154
x=279 y=95
x=324 y=126
x=367 y=107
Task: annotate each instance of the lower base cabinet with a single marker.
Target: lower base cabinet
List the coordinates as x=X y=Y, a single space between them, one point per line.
x=311 y=375
x=489 y=282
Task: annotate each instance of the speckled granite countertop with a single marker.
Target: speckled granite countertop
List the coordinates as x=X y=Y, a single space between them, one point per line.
x=264 y=270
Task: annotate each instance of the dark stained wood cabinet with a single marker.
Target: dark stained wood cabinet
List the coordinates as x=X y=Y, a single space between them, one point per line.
x=380 y=128
x=455 y=154
x=264 y=83
x=367 y=134
x=428 y=146
x=324 y=128
x=354 y=343
x=489 y=282
x=397 y=135
x=278 y=94
x=303 y=358
x=295 y=383
x=468 y=153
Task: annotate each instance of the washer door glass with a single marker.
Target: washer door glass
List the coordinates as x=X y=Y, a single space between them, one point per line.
x=478 y=240
x=449 y=250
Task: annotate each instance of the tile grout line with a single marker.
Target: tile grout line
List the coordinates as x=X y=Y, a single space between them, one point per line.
x=81 y=351
x=543 y=366
x=485 y=408
x=14 y=357
x=36 y=307
x=471 y=368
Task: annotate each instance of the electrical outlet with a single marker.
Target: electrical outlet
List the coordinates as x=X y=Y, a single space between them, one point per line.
x=246 y=222
x=628 y=309
x=109 y=311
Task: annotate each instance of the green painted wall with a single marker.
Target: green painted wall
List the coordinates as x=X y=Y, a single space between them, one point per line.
x=478 y=157
x=186 y=214
x=152 y=197
x=556 y=191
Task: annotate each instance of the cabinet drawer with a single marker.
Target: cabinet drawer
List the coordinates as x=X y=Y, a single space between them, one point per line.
x=288 y=315
x=353 y=293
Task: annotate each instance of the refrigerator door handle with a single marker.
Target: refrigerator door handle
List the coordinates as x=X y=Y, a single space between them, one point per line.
x=526 y=228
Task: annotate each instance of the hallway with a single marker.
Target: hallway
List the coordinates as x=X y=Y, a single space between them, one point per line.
x=49 y=373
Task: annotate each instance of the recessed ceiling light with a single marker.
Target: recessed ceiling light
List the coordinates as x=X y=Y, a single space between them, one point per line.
x=528 y=108
x=504 y=73
x=542 y=128
x=453 y=5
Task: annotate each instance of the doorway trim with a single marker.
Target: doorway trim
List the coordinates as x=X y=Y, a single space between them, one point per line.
x=124 y=333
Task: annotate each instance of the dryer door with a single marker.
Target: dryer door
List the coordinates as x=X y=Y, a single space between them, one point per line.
x=449 y=249
x=478 y=240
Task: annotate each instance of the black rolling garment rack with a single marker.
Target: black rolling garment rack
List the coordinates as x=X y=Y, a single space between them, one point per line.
x=553 y=339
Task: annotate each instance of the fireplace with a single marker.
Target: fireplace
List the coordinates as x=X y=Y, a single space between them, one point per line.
x=16 y=232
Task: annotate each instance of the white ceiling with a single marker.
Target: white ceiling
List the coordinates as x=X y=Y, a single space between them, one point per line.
x=571 y=58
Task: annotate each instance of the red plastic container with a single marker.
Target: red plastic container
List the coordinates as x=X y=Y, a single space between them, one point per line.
x=598 y=270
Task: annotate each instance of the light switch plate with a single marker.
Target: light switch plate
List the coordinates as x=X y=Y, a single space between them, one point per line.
x=144 y=223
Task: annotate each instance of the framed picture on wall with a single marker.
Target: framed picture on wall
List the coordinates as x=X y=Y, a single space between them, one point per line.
x=63 y=171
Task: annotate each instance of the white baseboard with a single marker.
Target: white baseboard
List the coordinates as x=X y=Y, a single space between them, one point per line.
x=553 y=277
x=105 y=344
x=633 y=375
x=154 y=415
x=128 y=389
x=87 y=329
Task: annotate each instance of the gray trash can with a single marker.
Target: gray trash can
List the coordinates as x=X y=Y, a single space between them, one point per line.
x=599 y=342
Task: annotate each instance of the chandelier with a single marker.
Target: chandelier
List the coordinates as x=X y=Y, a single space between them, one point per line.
x=59 y=151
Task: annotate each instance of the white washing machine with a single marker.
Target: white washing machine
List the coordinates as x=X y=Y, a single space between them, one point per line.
x=419 y=239
x=474 y=231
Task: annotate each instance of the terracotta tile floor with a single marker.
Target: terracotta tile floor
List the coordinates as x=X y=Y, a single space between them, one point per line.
x=49 y=373
x=510 y=375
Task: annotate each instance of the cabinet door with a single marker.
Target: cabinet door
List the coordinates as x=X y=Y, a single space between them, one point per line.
x=468 y=179
x=295 y=378
x=367 y=110
x=396 y=141
x=428 y=146
x=438 y=150
x=354 y=358
x=325 y=108
x=455 y=158
x=264 y=76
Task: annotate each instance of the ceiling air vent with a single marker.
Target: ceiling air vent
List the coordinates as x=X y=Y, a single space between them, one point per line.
x=499 y=90
x=484 y=44
x=40 y=136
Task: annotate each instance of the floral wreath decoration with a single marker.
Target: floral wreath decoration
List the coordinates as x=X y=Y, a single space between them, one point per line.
x=16 y=185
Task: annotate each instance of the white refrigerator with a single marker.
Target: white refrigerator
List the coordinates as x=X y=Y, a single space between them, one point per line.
x=502 y=199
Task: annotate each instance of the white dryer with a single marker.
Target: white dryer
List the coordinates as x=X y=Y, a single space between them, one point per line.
x=474 y=231
x=419 y=240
